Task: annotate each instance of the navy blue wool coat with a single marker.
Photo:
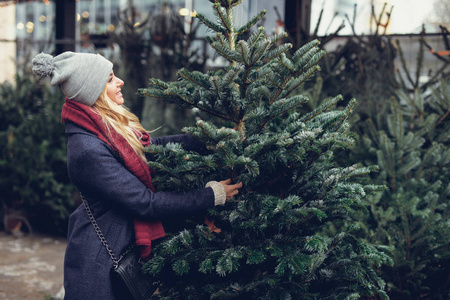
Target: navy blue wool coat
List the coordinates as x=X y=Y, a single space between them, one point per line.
x=116 y=197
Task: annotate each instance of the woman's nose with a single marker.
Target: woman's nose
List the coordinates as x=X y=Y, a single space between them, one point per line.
x=120 y=82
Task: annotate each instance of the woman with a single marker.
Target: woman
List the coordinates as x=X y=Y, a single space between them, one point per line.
x=107 y=164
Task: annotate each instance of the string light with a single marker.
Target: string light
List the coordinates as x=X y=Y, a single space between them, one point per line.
x=30 y=27
x=14 y=2
x=187 y=12
x=184 y=11
x=5 y=3
x=8 y=3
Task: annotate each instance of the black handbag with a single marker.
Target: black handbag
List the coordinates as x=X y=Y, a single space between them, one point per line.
x=127 y=279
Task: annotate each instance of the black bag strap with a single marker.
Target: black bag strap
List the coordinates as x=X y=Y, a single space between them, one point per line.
x=102 y=237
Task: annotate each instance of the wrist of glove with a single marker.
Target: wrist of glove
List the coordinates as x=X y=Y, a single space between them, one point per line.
x=220 y=195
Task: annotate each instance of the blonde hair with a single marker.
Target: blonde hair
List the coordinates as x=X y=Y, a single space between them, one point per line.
x=120 y=119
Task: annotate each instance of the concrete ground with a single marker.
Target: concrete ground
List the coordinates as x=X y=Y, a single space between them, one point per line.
x=31 y=267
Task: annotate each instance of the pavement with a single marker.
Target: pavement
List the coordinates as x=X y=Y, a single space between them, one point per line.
x=31 y=267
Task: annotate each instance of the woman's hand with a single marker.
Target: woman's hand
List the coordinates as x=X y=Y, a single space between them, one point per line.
x=231 y=189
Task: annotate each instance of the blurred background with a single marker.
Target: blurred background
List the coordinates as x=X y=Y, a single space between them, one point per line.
x=156 y=37
x=376 y=51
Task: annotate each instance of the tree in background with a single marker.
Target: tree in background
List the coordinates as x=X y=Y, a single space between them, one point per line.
x=363 y=66
x=135 y=54
x=411 y=144
x=373 y=67
x=155 y=46
x=441 y=13
x=402 y=126
x=34 y=185
x=273 y=240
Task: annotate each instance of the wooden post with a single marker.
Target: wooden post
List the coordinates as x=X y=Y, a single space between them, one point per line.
x=297 y=18
x=65 y=25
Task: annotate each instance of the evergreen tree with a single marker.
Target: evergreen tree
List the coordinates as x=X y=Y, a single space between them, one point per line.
x=270 y=241
x=157 y=40
x=407 y=137
x=34 y=182
x=411 y=145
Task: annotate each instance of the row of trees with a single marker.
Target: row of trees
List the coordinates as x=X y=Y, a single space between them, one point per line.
x=309 y=182
x=35 y=190
x=342 y=199
x=402 y=126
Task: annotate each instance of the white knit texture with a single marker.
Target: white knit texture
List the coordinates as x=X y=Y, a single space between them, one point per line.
x=220 y=195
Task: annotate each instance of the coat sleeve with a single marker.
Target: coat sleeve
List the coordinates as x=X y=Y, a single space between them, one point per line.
x=99 y=174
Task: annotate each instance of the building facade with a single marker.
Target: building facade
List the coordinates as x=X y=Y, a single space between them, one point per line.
x=35 y=20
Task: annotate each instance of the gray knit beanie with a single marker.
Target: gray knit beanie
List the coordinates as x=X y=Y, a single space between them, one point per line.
x=82 y=76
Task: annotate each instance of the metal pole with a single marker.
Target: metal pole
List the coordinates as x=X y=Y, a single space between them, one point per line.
x=65 y=19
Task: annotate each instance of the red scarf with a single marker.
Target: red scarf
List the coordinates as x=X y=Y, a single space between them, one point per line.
x=85 y=117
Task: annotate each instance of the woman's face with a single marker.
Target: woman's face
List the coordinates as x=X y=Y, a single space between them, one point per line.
x=113 y=89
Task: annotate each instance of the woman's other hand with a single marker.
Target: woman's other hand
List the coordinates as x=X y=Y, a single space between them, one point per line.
x=231 y=189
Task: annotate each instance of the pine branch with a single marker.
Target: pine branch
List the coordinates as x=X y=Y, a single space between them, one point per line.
x=274 y=39
x=304 y=49
x=293 y=84
x=212 y=25
x=244 y=51
x=223 y=17
x=207 y=110
x=419 y=64
x=196 y=78
x=225 y=51
x=321 y=109
x=225 y=101
x=314 y=60
x=275 y=52
x=158 y=83
x=161 y=167
x=287 y=63
x=404 y=65
x=284 y=105
x=252 y=22
x=256 y=37
x=159 y=94
x=304 y=74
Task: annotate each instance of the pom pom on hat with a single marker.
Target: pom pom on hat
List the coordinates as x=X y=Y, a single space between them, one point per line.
x=43 y=64
x=81 y=76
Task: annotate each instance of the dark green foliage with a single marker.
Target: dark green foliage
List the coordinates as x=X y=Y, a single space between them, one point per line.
x=411 y=146
x=33 y=172
x=404 y=129
x=269 y=242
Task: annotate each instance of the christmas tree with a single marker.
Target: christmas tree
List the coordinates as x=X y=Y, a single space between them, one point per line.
x=273 y=240
x=34 y=182
x=411 y=146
